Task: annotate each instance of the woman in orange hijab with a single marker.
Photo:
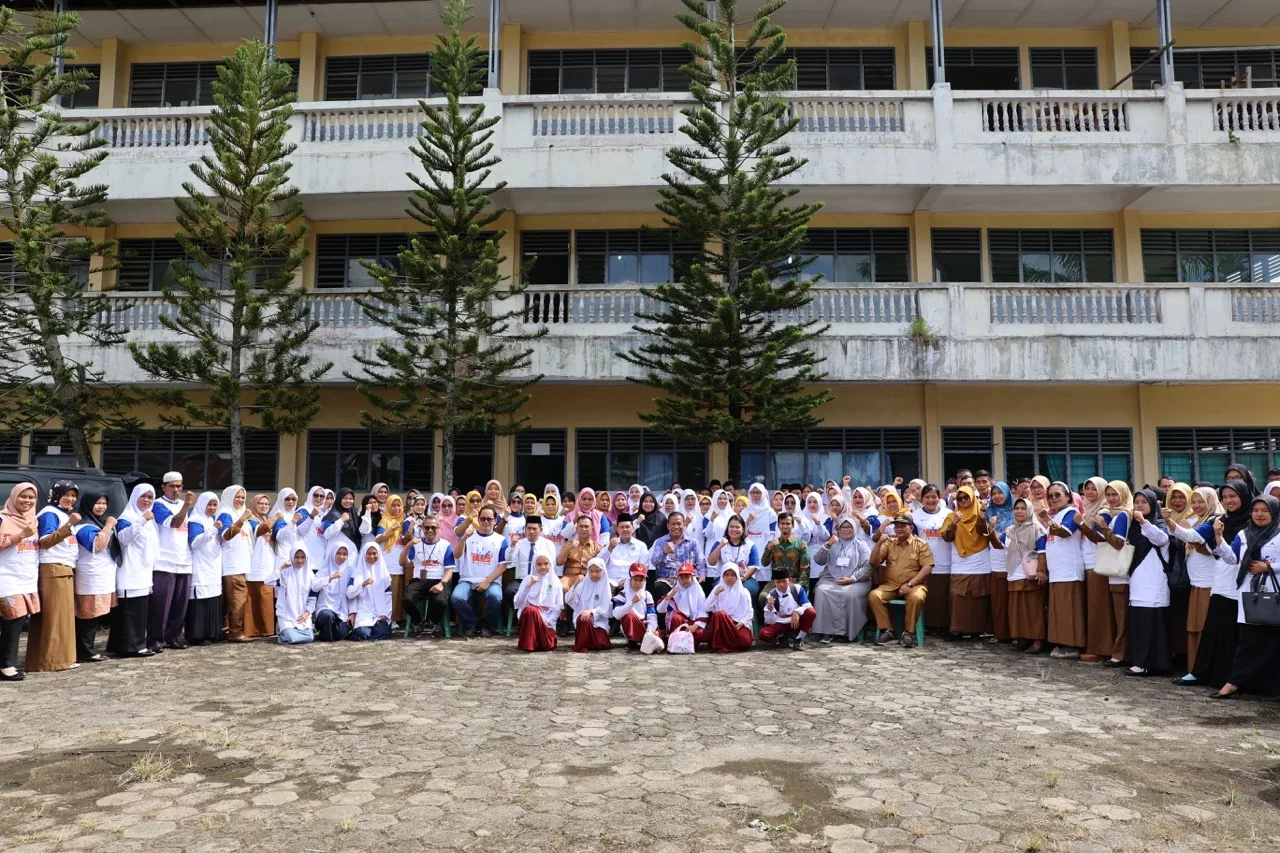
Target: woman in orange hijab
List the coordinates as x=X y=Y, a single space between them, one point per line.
x=19 y=574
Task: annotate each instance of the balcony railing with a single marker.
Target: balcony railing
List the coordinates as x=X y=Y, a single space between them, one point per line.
x=1075 y=304
x=1088 y=114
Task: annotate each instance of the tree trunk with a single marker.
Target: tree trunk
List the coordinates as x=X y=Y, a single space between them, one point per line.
x=446 y=446
x=735 y=463
x=236 y=431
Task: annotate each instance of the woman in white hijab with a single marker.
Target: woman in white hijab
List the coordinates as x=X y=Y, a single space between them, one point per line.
x=314 y=512
x=866 y=518
x=817 y=520
x=369 y=595
x=204 y=612
x=330 y=611
x=283 y=520
x=730 y=622
x=634 y=494
x=717 y=519
x=692 y=514
x=762 y=522
x=538 y=603
x=293 y=582
x=140 y=546
x=592 y=604
x=840 y=596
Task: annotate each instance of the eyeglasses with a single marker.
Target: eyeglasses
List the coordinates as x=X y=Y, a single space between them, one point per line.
x=431 y=527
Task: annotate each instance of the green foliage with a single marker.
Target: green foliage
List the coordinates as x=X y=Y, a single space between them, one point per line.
x=729 y=368
x=242 y=325
x=52 y=323
x=453 y=363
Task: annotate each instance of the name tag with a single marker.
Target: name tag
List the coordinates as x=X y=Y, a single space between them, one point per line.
x=842 y=561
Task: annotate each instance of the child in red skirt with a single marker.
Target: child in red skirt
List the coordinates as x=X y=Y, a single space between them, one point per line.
x=686 y=605
x=592 y=603
x=729 y=627
x=539 y=602
x=633 y=607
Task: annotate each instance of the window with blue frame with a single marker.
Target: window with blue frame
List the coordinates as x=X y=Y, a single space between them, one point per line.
x=1202 y=454
x=871 y=456
x=1069 y=455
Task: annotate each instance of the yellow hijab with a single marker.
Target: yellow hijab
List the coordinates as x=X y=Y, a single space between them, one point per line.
x=466 y=505
x=1177 y=516
x=1126 y=497
x=890 y=492
x=392 y=522
x=968 y=540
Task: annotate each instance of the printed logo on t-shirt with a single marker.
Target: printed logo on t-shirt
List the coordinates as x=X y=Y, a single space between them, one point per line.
x=32 y=544
x=932 y=533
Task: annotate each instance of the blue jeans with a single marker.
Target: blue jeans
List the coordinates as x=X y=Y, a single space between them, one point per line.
x=460 y=601
x=295 y=636
x=378 y=631
x=330 y=626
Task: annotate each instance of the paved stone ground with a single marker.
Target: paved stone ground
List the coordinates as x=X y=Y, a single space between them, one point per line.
x=470 y=745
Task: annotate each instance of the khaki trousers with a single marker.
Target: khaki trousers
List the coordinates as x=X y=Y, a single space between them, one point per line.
x=883 y=594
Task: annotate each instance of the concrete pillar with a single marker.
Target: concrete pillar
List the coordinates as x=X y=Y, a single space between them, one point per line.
x=511 y=76
x=1024 y=68
x=114 y=73
x=437 y=462
x=939 y=42
x=717 y=461
x=291 y=464
x=913 y=61
x=101 y=279
x=1117 y=48
x=495 y=38
x=270 y=19
x=504 y=458
x=310 y=68
x=306 y=277
x=931 y=435
x=922 y=246
x=1146 y=447
x=1130 y=248
x=571 y=459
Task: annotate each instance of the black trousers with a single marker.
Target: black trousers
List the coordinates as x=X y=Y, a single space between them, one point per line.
x=418 y=593
x=86 y=634
x=10 y=633
x=129 y=626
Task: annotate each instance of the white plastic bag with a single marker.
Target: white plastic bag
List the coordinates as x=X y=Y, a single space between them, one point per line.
x=680 y=643
x=651 y=643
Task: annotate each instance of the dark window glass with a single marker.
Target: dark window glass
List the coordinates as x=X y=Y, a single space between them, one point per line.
x=203 y=456
x=86 y=99
x=1209 y=68
x=540 y=458
x=1064 y=68
x=357 y=458
x=859 y=255
x=379 y=77
x=629 y=256
x=1041 y=256
x=966 y=447
x=970 y=68
x=1069 y=455
x=339 y=257
x=582 y=72
x=1202 y=255
x=957 y=254
x=1200 y=455
x=615 y=458
x=179 y=84
x=870 y=456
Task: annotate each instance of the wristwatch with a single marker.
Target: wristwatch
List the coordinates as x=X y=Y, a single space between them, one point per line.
x=911 y=585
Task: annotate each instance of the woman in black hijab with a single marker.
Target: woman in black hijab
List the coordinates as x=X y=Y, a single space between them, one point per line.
x=96 y=564
x=1149 y=642
x=651 y=524
x=1244 y=475
x=1257 y=662
x=344 y=505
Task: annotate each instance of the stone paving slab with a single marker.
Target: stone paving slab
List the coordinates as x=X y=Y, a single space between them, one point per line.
x=471 y=745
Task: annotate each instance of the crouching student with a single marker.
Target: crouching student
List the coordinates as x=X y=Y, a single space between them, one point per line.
x=729 y=626
x=329 y=586
x=787 y=613
x=368 y=587
x=591 y=601
x=633 y=607
x=685 y=606
x=293 y=599
x=539 y=602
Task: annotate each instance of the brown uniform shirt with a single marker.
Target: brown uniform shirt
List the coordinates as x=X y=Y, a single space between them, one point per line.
x=577 y=557
x=904 y=562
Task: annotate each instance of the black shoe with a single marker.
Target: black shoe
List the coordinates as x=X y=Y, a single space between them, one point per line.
x=827 y=640
x=1019 y=645
x=633 y=645
x=886 y=638
x=486 y=633
x=798 y=644
x=1137 y=673
x=1187 y=680
x=1112 y=664
x=176 y=645
x=143 y=653
x=1235 y=695
x=908 y=640
x=156 y=650
x=952 y=637
x=438 y=632
x=19 y=675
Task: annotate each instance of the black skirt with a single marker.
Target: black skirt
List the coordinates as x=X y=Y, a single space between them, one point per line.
x=1217 y=649
x=1257 y=663
x=1149 y=638
x=204 y=619
x=129 y=626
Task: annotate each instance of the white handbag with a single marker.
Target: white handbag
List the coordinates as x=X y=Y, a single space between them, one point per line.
x=1113 y=562
x=651 y=643
x=680 y=643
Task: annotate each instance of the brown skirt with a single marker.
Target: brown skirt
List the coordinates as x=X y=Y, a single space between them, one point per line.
x=1066 y=614
x=1000 y=605
x=51 y=641
x=1197 y=610
x=1100 y=630
x=397 y=598
x=235 y=602
x=937 y=607
x=1120 y=613
x=970 y=604
x=260 y=613
x=1027 y=602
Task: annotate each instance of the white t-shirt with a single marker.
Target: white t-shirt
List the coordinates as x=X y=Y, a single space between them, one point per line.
x=483 y=555
x=929 y=528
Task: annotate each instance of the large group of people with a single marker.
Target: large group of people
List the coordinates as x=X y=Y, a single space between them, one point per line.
x=1139 y=579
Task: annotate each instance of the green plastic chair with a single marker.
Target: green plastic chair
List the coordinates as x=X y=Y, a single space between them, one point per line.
x=898 y=613
x=448 y=620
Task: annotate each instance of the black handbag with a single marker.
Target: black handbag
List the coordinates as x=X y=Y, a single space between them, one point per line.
x=1262 y=606
x=1176 y=569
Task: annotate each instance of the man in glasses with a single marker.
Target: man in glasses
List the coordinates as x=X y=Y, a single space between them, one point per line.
x=429 y=563
x=481 y=563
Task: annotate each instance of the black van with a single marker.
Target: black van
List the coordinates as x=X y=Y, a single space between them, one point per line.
x=88 y=479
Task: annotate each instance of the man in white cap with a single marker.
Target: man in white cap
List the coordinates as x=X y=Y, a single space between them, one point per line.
x=171 y=580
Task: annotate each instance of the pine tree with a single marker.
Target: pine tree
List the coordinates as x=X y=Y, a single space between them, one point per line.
x=49 y=320
x=728 y=367
x=454 y=362
x=243 y=325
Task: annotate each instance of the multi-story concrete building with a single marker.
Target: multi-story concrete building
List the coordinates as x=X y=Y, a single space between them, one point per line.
x=1090 y=226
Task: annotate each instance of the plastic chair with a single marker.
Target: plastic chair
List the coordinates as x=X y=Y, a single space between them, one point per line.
x=448 y=619
x=898 y=613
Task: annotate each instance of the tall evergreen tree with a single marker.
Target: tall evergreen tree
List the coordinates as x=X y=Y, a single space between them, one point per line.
x=728 y=368
x=242 y=325
x=49 y=320
x=455 y=360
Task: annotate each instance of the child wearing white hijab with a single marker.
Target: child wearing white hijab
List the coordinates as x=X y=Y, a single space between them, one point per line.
x=204 y=613
x=293 y=583
x=539 y=602
x=368 y=588
x=591 y=600
x=633 y=607
x=729 y=627
x=686 y=606
x=329 y=585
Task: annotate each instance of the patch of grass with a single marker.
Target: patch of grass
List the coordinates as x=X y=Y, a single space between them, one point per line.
x=1052 y=778
x=346 y=824
x=788 y=825
x=889 y=809
x=152 y=767
x=1230 y=796
x=922 y=333
x=1033 y=845
x=225 y=738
